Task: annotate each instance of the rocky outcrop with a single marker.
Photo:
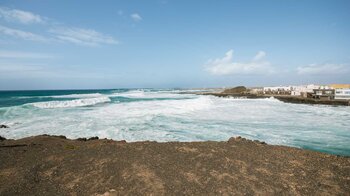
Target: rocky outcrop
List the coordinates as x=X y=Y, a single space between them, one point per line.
x=241 y=139
x=84 y=139
x=236 y=139
x=4 y=126
x=93 y=138
x=48 y=165
x=235 y=90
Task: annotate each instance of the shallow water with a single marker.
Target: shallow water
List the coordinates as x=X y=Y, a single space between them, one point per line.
x=165 y=115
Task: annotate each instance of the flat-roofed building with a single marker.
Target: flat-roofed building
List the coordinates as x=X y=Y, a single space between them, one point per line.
x=278 y=90
x=323 y=94
x=342 y=91
x=302 y=90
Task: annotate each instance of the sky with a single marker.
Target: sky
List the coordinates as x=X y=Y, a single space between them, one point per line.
x=85 y=44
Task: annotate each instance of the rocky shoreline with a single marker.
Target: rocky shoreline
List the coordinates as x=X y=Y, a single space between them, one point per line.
x=301 y=100
x=284 y=98
x=55 y=165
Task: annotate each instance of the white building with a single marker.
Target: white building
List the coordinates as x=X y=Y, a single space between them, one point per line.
x=277 y=89
x=303 y=89
x=342 y=93
x=256 y=90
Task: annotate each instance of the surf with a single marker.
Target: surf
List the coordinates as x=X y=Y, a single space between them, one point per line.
x=71 y=103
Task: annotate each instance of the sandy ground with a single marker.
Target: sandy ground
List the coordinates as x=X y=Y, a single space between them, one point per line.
x=51 y=165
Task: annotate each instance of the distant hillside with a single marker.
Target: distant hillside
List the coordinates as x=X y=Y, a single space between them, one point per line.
x=235 y=90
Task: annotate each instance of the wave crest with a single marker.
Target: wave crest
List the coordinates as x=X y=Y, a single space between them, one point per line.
x=90 y=95
x=135 y=94
x=71 y=103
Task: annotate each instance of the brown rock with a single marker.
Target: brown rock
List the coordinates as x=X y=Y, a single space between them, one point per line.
x=93 y=138
x=83 y=139
x=235 y=90
x=236 y=139
x=71 y=167
x=122 y=141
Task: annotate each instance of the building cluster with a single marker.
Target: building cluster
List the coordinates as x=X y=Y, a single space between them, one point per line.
x=322 y=92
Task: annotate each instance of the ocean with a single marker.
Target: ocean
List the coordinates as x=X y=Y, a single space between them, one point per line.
x=172 y=115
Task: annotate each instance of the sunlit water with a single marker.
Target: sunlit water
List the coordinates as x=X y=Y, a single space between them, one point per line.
x=165 y=115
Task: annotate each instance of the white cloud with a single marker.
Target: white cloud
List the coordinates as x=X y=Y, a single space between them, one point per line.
x=20 y=16
x=23 y=55
x=136 y=17
x=63 y=33
x=259 y=56
x=82 y=36
x=226 y=66
x=323 y=69
x=21 y=34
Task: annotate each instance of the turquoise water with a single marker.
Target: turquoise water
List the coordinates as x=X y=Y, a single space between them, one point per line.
x=168 y=115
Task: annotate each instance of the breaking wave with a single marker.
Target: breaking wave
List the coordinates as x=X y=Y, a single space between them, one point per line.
x=71 y=103
x=150 y=95
x=91 y=95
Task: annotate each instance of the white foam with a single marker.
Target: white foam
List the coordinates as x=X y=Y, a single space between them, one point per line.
x=131 y=94
x=91 y=95
x=151 y=108
x=71 y=103
x=150 y=94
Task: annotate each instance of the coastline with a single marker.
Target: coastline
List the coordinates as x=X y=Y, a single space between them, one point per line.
x=283 y=98
x=54 y=165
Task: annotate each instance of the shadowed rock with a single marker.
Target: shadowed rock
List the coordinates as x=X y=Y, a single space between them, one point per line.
x=84 y=139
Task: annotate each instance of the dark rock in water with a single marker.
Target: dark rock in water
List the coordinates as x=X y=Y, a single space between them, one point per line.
x=4 y=126
x=93 y=138
x=2 y=138
x=83 y=139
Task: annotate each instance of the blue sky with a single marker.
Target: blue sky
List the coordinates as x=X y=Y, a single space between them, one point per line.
x=163 y=43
